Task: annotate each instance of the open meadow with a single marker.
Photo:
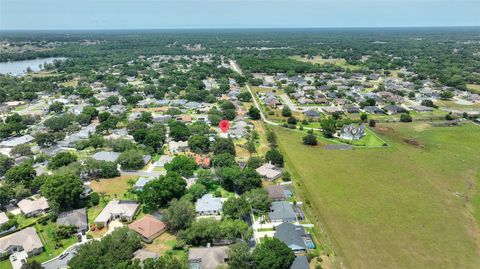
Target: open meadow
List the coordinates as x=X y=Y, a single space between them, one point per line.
x=412 y=205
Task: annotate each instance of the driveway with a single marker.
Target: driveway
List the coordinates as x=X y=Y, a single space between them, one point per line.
x=61 y=262
x=142 y=173
x=16 y=259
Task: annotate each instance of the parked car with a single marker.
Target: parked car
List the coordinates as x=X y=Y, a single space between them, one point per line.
x=63 y=255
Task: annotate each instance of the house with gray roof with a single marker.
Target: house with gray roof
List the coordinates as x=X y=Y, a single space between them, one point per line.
x=15 y=141
x=163 y=160
x=281 y=211
x=394 y=109
x=208 y=205
x=373 y=110
x=108 y=156
x=141 y=182
x=311 y=113
x=24 y=240
x=77 y=218
x=292 y=235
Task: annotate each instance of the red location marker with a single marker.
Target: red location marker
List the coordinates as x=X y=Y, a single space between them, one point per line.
x=224 y=125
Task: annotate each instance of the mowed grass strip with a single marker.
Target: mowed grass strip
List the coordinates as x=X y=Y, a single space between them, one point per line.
x=406 y=206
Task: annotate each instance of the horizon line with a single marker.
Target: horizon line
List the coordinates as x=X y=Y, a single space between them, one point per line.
x=240 y=28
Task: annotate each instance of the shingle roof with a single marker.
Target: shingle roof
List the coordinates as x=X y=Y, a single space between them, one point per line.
x=208 y=203
x=28 y=206
x=108 y=156
x=27 y=238
x=281 y=210
x=208 y=258
x=147 y=226
x=291 y=235
x=77 y=218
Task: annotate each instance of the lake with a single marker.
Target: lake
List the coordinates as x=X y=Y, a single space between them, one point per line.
x=17 y=68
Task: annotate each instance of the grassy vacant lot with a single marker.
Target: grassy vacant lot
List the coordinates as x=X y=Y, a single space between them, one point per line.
x=474 y=88
x=319 y=60
x=411 y=205
x=113 y=187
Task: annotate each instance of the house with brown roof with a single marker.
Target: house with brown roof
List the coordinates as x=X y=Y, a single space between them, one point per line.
x=276 y=193
x=202 y=161
x=148 y=228
x=207 y=258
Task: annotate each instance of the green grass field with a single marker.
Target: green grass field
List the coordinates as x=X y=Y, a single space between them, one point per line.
x=406 y=206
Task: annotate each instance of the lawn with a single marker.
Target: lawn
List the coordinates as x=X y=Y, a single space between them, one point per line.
x=46 y=234
x=405 y=206
x=113 y=187
x=319 y=60
x=474 y=88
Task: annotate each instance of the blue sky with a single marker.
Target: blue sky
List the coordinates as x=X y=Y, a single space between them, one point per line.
x=148 y=14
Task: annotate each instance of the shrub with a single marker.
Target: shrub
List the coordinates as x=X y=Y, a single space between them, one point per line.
x=405 y=118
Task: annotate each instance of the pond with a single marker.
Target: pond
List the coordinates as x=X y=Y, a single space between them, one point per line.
x=17 y=68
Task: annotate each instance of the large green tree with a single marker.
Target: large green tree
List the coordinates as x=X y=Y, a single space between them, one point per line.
x=63 y=190
x=272 y=253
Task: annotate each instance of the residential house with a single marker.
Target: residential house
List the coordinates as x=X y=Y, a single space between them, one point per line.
x=311 y=113
x=276 y=193
x=207 y=258
x=281 y=211
x=202 y=161
x=161 y=118
x=141 y=182
x=177 y=146
x=148 y=228
x=373 y=110
x=332 y=109
x=163 y=160
x=117 y=209
x=8 y=144
x=108 y=156
x=32 y=207
x=394 y=109
x=77 y=218
x=24 y=240
x=294 y=236
x=269 y=171
x=208 y=205
x=352 y=109
x=352 y=132
x=3 y=218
